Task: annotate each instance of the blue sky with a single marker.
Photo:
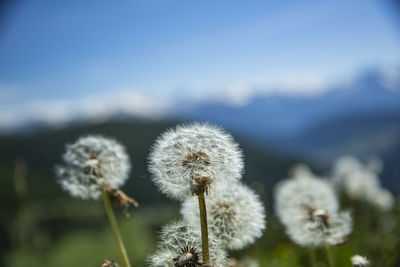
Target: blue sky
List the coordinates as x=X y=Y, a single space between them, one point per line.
x=58 y=56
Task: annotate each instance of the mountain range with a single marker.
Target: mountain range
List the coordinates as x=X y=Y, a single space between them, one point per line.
x=276 y=116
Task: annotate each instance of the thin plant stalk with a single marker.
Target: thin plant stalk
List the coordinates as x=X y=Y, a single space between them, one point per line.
x=330 y=255
x=115 y=230
x=313 y=257
x=204 y=230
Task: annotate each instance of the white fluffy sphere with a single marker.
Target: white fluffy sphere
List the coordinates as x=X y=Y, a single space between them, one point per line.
x=235 y=215
x=308 y=208
x=192 y=150
x=293 y=196
x=359 y=261
x=180 y=244
x=91 y=162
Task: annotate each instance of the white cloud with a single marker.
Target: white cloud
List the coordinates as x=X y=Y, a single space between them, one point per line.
x=57 y=112
x=239 y=93
x=124 y=101
x=91 y=107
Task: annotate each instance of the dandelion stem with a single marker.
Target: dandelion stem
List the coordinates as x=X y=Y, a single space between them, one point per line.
x=330 y=255
x=204 y=230
x=115 y=230
x=312 y=257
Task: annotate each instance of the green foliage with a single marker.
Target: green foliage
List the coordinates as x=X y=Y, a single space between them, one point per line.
x=87 y=247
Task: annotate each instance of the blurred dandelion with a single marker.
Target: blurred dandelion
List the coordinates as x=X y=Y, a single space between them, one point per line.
x=180 y=245
x=361 y=182
x=235 y=215
x=356 y=181
x=309 y=209
x=345 y=165
x=90 y=163
x=383 y=199
x=108 y=263
x=359 y=261
x=300 y=170
x=96 y=165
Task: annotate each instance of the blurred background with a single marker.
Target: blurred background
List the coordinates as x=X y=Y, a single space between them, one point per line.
x=293 y=81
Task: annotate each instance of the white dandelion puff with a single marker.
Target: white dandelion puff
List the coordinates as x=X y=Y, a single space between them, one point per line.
x=358 y=181
x=383 y=199
x=92 y=162
x=300 y=170
x=192 y=156
x=359 y=261
x=235 y=215
x=292 y=196
x=162 y=258
x=321 y=228
x=345 y=165
x=361 y=182
x=309 y=210
x=180 y=245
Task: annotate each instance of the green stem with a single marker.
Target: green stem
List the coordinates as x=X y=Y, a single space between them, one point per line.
x=204 y=230
x=312 y=257
x=114 y=227
x=330 y=255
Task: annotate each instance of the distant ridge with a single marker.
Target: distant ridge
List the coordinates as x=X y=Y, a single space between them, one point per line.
x=274 y=116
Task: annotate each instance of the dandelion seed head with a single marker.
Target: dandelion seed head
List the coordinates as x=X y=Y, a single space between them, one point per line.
x=194 y=150
x=331 y=228
x=188 y=257
x=383 y=199
x=300 y=170
x=181 y=246
x=361 y=182
x=308 y=208
x=345 y=165
x=235 y=215
x=356 y=180
x=162 y=258
x=296 y=198
x=359 y=261
x=90 y=162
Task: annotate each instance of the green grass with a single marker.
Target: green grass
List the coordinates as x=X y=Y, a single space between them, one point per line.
x=85 y=238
